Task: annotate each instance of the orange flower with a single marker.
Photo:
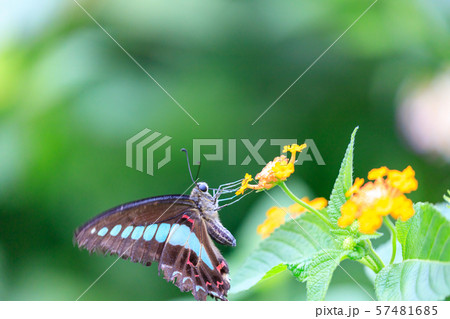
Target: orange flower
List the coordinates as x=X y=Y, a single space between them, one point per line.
x=276 y=215
x=369 y=203
x=378 y=173
x=275 y=218
x=404 y=181
x=317 y=203
x=248 y=178
x=294 y=148
x=274 y=172
x=355 y=187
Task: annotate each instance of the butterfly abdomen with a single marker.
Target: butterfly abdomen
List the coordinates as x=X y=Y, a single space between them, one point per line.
x=219 y=233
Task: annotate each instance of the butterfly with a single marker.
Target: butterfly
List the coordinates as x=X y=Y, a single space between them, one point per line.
x=177 y=231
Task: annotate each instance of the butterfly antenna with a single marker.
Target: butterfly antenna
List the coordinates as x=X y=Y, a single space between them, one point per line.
x=189 y=164
x=198 y=170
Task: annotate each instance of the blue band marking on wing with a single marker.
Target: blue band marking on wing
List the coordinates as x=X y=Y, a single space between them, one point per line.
x=137 y=233
x=179 y=235
x=162 y=233
x=150 y=232
x=127 y=231
x=194 y=244
x=173 y=229
x=102 y=232
x=214 y=293
x=116 y=230
x=205 y=258
x=197 y=288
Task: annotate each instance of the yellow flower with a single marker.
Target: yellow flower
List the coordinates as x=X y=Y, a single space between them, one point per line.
x=248 y=178
x=267 y=178
x=403 y=181
x=348 y=214
x=294 y=148
x=355 y=187
x=378 y=173
x=369 y=222
x=275 y=218
x=384 y=196
x=317 y=203
x=282 y=172
x=402 y=208
x=276 y=215
x=275 y=171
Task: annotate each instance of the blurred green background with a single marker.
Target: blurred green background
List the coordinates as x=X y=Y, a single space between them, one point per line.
x=70 y=98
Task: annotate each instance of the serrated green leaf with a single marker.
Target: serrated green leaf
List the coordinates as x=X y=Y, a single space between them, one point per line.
x=293 y=242
x=299 y=270
x=426 y=235
x=275 y=271
x=425 y=272
x=341 y=232
x=414 y=280
x=318 y=272
x=357 y=253
x=447 y=198
x=343 y=182
x=368 y=236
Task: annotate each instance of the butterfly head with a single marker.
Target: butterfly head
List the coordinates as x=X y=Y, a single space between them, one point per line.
x=203 y=187
x=209 y=205
x=205 y=201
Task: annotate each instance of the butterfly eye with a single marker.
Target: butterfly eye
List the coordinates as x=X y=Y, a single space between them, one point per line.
x=203 y=187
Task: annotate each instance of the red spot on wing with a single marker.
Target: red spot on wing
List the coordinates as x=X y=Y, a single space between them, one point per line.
x=220 y=266
x=219 y=283
x=208 y=283
x=188 y=218
x=188 y=262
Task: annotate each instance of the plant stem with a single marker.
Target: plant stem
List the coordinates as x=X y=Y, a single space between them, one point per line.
x=391 y=227
x=372 y=260
x=302 y=203
x=374 y=257
x=369 y=263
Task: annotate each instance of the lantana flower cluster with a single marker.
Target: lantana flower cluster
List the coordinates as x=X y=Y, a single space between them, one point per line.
x=384 y=195
x=274 y=172
x=366 y=204
x=276 y=216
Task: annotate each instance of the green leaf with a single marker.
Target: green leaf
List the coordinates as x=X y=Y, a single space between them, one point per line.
x=275 y=271
x=426 y=235
x=343 y=182
x=447 y=198
x=293 y=242
x=363 y=237
x=425 y=272
x=341 y=232
x=318 y=272
x=414 y=280
x=299 y=270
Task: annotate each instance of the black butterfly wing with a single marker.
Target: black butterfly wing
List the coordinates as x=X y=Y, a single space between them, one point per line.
x=168 y=229
x=115 y=231
x=191 y=260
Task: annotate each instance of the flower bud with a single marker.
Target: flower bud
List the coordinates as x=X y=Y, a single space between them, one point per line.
x=349 y=243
